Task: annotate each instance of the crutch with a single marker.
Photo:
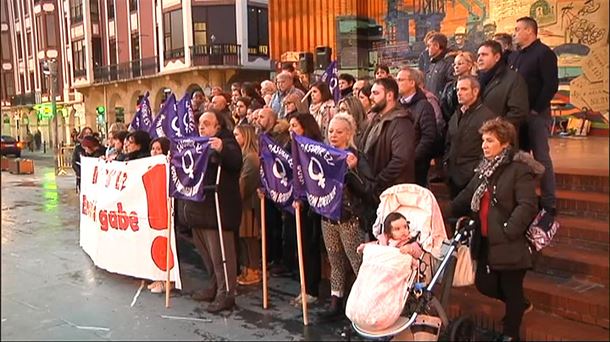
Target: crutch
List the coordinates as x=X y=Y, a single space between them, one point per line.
x=222 y=245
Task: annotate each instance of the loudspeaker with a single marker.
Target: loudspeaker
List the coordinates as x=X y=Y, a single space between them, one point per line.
x=306 y=62
x=323 y=55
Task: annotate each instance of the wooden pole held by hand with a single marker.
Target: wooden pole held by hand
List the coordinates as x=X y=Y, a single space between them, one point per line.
x=297 y=213
x=264 y=252
x=170 y=211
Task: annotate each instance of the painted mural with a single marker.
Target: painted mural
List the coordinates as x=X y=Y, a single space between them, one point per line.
x=577 y=30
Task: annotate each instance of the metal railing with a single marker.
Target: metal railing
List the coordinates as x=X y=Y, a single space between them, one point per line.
x=64 y=160
x=80 y=73
x=23 y=99
x=125 y=71
x=174 y=54
x=216 y=54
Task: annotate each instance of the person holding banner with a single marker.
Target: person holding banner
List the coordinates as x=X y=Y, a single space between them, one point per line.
x=342 y=237
x=202 y=217
x=78 y=151
x=390 y=138
x=322 y=105
x=249 y=229
x=137 y=144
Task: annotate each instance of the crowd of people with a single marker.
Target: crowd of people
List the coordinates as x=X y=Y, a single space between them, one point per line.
x=468 y=119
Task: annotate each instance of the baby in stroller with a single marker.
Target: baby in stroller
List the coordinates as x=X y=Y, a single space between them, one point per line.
x=396 y=233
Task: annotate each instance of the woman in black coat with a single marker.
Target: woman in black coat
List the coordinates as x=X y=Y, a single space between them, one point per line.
x=502 y=195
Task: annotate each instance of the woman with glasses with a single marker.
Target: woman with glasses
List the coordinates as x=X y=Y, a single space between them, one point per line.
x=294 y=105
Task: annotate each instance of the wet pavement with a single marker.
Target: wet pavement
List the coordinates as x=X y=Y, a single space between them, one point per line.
x=52 y=290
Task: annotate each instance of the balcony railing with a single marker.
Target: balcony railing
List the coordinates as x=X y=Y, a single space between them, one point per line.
x=217 y=54
x=80 y=73
x=23 y=99
x=125 y=71
x=174 y=54
x=260 y=51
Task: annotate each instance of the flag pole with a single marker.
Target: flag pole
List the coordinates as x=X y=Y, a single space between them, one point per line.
x=170 y=210
x=306 y=95
x=297 y=213
x=264 y=251
x=218 y=218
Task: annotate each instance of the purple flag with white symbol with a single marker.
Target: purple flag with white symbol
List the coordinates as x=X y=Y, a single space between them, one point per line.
x=185 y=118
x=331 y=77
x=143 y=119
x=276 y=172
x=162 y=124
x=189 y=161
x=320 y=172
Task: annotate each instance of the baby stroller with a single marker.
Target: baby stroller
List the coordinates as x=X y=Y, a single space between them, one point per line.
x=422 y=317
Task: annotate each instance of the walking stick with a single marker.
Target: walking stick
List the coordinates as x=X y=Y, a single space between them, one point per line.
x=170 y=208
x=222 y=245
x=297 y=213
x=264 y=250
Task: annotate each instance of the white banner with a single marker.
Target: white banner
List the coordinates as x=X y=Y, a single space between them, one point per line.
x=123 y=221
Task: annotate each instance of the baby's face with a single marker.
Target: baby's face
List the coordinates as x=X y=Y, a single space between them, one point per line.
x=400 y=230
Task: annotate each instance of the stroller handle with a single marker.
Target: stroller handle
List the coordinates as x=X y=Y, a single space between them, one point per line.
x=464 y=224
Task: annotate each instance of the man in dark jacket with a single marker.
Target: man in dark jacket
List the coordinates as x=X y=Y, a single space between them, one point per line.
x=390 y=138
x=414 y=100
x=463 y=137
x=201 y=216
x=537 y=63
x=346 y=83
x=440 y=70
x=503 y=90
x=219 y=103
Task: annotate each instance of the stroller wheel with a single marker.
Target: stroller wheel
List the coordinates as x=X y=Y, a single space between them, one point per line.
x=462 y=329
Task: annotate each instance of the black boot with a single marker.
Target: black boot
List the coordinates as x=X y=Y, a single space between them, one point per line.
x=335 y=310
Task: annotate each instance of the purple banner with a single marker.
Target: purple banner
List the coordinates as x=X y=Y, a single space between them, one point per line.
x=331 y=77
x=185 y=118
x=319 y=175
x=143 y=120
x=276 y=172
x=189 y=160
x=162 y=125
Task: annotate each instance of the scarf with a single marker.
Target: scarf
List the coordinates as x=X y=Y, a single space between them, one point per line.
x=486 y=76
x=485 y=170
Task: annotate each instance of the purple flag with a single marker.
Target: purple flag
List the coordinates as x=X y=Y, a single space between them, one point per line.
x=162 y=124
x=185 y=117
x=319 y=175
x=276 y=172
x=189 y=161
x=331 y=77
x=143 y=120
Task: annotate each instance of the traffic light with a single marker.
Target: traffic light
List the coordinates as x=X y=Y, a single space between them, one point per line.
x=101 y=110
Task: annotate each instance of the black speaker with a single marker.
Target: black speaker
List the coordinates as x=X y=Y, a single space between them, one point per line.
x=323 y=55
x=306 y=62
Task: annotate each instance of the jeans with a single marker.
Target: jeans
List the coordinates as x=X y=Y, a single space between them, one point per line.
x=535 y=138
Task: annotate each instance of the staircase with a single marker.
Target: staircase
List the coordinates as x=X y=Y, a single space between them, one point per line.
x=569 y=284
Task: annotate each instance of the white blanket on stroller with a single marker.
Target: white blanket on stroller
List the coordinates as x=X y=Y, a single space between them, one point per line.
x=381 y=288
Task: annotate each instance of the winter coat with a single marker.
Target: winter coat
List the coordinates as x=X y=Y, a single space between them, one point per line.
x=249 y=181
x=323 y=112
x=449 y=100
x=141 y=153
x=202 y=215
x=513 y=206
x=79 y=152
x=357 y=196
x=463 y=144
x=389 y=147
x=439 y=73
x=425 y=125
x=506 y=95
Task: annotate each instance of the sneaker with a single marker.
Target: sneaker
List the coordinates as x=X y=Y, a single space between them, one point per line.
x=251 y=278
x=159 y=287
x=309 y=298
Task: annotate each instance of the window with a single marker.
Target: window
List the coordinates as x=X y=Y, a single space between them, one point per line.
x=51 y=31
x=6 y=51
x=78 y=55
x=32 y=85
x=133 y=5
x=95 y=10
x=26 y=10
x=39 y=28
x=258 y=31
x=97 y=51
x=200 y=33
x=135 y=47
x=3 y=12
x=19 y=53
x=110 y=7
x=76 y=11
x=112 y=52
x=22 y=83
x=9 y=83
x=172 y=30
x=27 y=44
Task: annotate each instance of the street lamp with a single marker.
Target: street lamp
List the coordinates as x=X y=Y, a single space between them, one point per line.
x=49 y=68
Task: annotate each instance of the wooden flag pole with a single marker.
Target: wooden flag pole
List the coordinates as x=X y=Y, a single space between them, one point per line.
x=264 y=251
x=297 y=213
x=170 y=211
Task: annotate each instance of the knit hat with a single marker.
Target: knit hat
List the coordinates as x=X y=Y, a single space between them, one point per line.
x=90 y=142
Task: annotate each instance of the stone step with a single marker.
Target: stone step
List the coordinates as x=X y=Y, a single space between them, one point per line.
x=570 y=260
x=567 y=180
x=571 y=298
x=583 y=204
x=538 y=325
x=582 y=231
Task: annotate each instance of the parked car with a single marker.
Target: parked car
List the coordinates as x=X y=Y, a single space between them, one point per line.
x=10 y=146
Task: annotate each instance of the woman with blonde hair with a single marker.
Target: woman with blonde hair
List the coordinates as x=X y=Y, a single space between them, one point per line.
x=352 y=106
x=293 y=104
x=249 y=229
x=464 y=64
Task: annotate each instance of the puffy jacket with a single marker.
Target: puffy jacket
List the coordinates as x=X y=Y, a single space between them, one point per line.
x=463 y=144
x=439 y=73
x=425 y=124
x=357 y=194
x=449 y=100
x=389 y=146
x=512 y=208
x=202 y=215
